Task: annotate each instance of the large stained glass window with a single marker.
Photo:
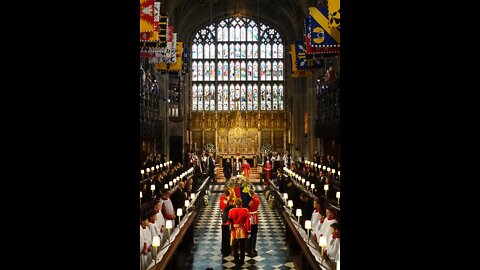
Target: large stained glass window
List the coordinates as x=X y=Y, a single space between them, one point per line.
x=237 y=64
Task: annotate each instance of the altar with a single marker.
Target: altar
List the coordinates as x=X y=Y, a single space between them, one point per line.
x=250 y=158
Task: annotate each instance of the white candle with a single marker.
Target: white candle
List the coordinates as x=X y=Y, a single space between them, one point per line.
x=313 y=186
x=308 y=183
x=290 y=203
x=148 y=170
x=328 y=169
x=156 y=241
x=324 y=167
x=179 y=212
x=192 y=196
x=152 y=187
x=165 y=186
x=338 y=265
x=325 y=187
x=323 y=241
x=157 y=167
x=187 y=203
x=168 y=224
x=285 y=196
x=152 y=168
x=338 y=173
x=141 y=194
x=142 y=171
x=303 y=181
x=338 y=194
x=308 y=224
x=333 y=171
x=161 y=165
x=299 y=213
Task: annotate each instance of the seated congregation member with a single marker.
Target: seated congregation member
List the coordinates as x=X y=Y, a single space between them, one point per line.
x=253 y=211
x=239 y=217
x=226 y=203
x=146 y=240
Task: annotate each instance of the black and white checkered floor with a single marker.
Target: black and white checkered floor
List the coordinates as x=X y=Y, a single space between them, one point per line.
x=272 y=250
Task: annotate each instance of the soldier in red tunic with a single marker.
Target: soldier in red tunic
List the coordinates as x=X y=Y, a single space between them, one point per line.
x=239 y=218
x=253 y=228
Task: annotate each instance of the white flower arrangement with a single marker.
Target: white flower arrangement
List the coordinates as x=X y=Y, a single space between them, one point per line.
x=210 y=148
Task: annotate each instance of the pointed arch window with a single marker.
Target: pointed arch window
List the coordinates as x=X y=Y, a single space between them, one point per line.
x=237 y=64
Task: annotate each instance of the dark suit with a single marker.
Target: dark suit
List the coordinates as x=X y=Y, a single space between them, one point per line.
x=227 y=169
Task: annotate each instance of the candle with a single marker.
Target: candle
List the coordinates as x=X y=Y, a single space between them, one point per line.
x=323 y=242
x=157 y=167
x=141 y=195
x=161 y=165
x=179 y=212
x=324 y=167
x=308 y=224
x=187 y=203
x=338 y=194
x=152 y=168
x=325 y=187
x=308 y=183
x=152 y=187
x=299 y=213
x=328 y=169
x=285 y=196
x=313 y=186
x=303 y=181
x=192 y=196
x=290 y=203
x=338 y=265
x=168 y=224
x=165 y=186
x=142 y=171
x=156 y=241
x=148 y=170
x=170 y=183
x=333 y=171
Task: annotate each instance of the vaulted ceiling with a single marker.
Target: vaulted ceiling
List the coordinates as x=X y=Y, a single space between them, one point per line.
x=286 y=16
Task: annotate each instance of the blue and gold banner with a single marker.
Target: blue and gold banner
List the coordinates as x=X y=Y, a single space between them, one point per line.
x=319 y=31
x=295 y=72
x=303 y=61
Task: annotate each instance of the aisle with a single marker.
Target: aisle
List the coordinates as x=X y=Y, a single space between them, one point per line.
x=271 y=248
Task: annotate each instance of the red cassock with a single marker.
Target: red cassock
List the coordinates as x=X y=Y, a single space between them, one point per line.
x=246 y=169
x=223 y=202
x=240 y=217
x=268 y=170
x=252 y=209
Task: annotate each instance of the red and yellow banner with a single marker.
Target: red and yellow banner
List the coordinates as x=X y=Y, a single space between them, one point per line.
x=146 y=16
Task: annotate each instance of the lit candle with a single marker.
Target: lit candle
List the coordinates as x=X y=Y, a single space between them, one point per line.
x=328 y=169
x=168 y=224
x=192 y=196
x=323 y=243
x=299 y=214
x=179 y=212
x=142 y=171
x=165 y=186
x=152 y=168
x=141 y=195
x=157 y=167
x=285 y=196
x=338 y=265
x=303 y=181
x=308 y=183
x=156 y=244
x=152 y=187
x=333 y=171
x=161 y=166
x=148 y=170
x=338 y=197
x=324 y=167
x=313 y=186
x=170 y=183
x=325 y=187
x=290 y=203
x=187 y=203
x=308 y=224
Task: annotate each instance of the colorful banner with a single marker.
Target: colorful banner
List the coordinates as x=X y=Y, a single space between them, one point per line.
x=156 y=16
x=303 y=61
x=319 y=31
x=334 y=14
x=146 y=16
x=177 y=65
x=295 y=72
x=162 y=31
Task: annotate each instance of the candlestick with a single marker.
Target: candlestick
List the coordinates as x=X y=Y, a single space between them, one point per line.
x=168 y=225
x=299 y=214
x=179 y=214
x=338 y=197
x=156 y=244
